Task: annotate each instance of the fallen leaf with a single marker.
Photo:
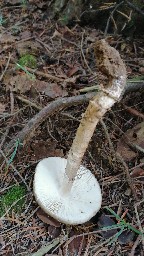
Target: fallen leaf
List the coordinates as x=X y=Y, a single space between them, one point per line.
x=126 y=237
x=23 y=83
x=54 y=232
x=73 y=247
x=47 y=219
x=137 y=172
x=72 y=71
x=105 y=221
x=52 y=90
x=132 y=137
x=20 y=83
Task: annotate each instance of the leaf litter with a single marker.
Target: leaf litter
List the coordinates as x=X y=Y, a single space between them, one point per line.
x=58 y=51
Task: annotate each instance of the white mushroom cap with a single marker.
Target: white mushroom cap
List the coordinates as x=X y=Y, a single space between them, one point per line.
x=76 y=207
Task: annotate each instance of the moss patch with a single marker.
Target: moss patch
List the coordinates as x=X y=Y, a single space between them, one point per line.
x=13 y=195
x=28 y=60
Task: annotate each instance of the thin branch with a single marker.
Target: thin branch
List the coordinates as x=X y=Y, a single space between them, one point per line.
x=135 y=8
x=132 y=253
x=6 y=67
x=129 y=179
x=84 y=55
x=15 y=170
x=111 y=15
x=56 y=106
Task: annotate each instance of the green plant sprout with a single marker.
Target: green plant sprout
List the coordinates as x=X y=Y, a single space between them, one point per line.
x=32 y=76
x=122 y=225
x=13 y=199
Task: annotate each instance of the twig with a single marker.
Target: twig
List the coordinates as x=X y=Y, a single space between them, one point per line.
x=138 y=148
x=129 y=179
x=111 y=15
x=133 y=111
x=107 y=136
x=28 y=102
x=49 y=76
x=88 y=246
x=135 y=8
x=4 y=137
x=84 y=55
x=130 y=87
x=15 y=170
x=17 y=42
x=6 y=67
x=139 y=224
x=28 y=131
x=11 y=100
x=46 y=248
x=132 y=253
x=45 y=45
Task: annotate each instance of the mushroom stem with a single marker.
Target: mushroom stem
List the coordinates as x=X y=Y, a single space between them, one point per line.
x=112 y=66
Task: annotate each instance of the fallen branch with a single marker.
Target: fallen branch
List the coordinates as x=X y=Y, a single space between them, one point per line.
x=56 y=106
x=28 y=131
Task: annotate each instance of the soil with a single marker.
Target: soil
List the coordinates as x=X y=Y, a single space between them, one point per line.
x=66 y=67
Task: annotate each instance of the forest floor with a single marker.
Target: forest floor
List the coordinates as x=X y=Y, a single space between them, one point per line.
x=42 y=62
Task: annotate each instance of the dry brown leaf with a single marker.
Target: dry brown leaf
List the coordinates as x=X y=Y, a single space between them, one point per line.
x=54 y=232
x=20 y=83
x=72 y=71
x=132 y=137
x=104 y=221
x=52 y=90
x=23 y=83
x=2 y=108
x=137 y=172
x=74 y=246
x=47 y=219
x=28 y=47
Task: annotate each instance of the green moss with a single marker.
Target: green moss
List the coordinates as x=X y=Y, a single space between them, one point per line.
x=12 y=196
x=28 y=60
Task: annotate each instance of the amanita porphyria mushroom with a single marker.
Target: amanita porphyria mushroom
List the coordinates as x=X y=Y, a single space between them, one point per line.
x=65 y=189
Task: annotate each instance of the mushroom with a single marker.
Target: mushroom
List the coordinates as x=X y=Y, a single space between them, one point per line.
x=65 y=189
